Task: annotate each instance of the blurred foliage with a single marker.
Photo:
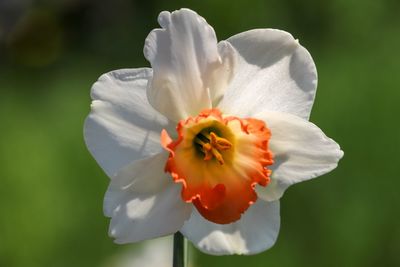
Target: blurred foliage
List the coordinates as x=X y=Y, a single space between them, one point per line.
x=51 y=189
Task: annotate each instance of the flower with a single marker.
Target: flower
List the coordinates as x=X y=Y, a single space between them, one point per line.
x=208 y=140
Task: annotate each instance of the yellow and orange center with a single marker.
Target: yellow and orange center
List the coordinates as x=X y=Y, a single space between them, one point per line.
x=219 y=160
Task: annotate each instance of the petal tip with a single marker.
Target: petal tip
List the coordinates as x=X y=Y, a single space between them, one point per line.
x=164 y=18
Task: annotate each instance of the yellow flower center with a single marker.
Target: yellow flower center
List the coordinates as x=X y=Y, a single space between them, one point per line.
x=210 y=144
x=219 y=161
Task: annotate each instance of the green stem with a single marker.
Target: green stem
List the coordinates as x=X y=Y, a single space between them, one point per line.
x=179 y=250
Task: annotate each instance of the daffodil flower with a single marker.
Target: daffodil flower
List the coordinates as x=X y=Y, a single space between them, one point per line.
x=207 y=140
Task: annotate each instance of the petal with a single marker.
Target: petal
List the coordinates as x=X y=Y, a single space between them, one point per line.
x=273 y=73
x=144 y=202
x=122 y=126
x=255 y=232
x=301 y=152
x=184 y=56
x=222 y=76
x=144 y=256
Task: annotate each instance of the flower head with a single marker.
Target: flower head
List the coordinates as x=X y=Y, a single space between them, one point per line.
x=208 y=140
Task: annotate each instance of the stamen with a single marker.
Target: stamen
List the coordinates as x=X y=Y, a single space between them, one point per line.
x=218 y=156
x=207 y=150
x=219 y=142
x=211 y=145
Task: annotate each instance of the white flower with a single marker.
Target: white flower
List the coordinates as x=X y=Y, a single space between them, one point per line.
x=207 y=141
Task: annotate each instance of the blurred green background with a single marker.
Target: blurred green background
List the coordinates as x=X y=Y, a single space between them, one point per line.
x=51 y=190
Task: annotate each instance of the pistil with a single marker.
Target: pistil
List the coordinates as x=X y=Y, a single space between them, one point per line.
x=211 y=145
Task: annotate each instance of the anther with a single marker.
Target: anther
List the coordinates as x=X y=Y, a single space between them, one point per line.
x=219 y=142
x=211 y=145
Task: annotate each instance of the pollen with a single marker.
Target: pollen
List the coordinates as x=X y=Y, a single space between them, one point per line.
x=211 y=145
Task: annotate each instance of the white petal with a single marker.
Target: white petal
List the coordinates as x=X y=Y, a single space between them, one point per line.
x=221 y=77
x=255 y=232
x=301 y=152
x=184 y=56
x=122 y=126
x=152 y=253
x=273 y=73
x=144 y=202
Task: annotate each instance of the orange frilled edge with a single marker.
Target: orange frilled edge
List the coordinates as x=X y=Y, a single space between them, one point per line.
x=220 y=192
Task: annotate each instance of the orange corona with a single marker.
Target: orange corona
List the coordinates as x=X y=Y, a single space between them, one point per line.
x=219 y=160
